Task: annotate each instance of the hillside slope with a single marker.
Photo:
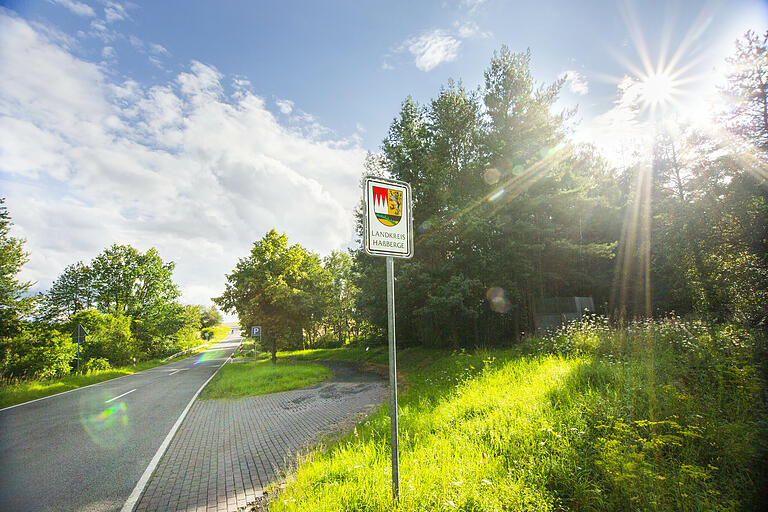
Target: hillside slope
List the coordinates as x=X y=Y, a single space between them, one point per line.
x=663 y=415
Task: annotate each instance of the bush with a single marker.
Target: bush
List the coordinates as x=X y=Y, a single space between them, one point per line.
x=37 y=352
x=97 y=364
x=160 y=347
x=186 y=338
x=327 y=340
x=114 y=340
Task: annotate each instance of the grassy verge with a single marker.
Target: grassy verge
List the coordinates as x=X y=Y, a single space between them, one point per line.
x=242 y=379
x=657 y=416
x=12 y=394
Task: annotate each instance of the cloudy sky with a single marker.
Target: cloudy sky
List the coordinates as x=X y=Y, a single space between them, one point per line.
x=195 y=126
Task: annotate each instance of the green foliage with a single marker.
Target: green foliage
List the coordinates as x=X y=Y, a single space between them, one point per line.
x=210 y=317
x=506 y=212
x=112 y=339
x=128 y=282
x=123 y=281
x=96 y=365
x=747 y=89
x=238 y=380
x=70 y=293
x=37 y=352
x=279 y=287
x=666 y=415
x=13 y=303
x=338 y=319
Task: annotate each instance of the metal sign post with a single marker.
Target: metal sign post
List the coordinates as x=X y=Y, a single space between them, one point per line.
x=388 y=231
x=77 y=335
x=255 y=331
x=392 y=376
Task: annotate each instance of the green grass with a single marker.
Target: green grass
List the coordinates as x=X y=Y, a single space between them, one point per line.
x=17 y=393
x=237 y=380
x=657 y=416
x=12 y=394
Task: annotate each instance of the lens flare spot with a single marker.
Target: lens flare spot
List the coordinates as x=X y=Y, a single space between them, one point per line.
x=497 y=300
x=496 y=195
x=208 y=355
x=491 y=176
x=425 y=226
x=107 y=428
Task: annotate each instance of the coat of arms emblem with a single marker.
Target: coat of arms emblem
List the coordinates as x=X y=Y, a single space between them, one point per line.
x=388 y=205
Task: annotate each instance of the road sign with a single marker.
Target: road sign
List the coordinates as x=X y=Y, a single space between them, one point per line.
x=79 y=335
x=388 y=231
x=255 y=331
x=387 y=217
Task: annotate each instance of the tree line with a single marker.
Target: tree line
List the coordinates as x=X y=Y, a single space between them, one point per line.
x=126 y=301
x=299 y=300
x=507 y=212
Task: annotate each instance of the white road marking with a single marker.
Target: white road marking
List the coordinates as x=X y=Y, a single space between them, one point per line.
x=133 y=499
x=119 y=396
x=108 y=381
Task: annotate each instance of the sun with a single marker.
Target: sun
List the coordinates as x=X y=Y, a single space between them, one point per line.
x=658 y=90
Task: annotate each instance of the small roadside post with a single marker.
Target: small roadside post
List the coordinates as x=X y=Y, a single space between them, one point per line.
x=79 y=335
x=255 y=331
x=388 y=232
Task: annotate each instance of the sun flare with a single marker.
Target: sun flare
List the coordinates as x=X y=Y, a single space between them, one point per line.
x=658 y=90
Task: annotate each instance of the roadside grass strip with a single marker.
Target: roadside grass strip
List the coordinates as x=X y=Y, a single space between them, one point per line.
x=18 y=393
x=241 y=379
x=13 y=394
x=623 y=421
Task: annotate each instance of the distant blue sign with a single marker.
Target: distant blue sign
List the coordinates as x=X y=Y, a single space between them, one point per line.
x=256 y=331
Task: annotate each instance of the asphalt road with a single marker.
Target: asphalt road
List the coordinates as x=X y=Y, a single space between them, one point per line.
x=85 y=450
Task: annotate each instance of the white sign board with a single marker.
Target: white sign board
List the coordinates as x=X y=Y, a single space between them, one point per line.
x=387 y=216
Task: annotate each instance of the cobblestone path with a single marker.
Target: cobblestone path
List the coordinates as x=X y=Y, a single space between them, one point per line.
x=227 y=451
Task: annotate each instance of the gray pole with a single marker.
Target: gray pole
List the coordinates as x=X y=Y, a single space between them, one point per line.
x=392 y=376
x=254 y=349
x=78 y=352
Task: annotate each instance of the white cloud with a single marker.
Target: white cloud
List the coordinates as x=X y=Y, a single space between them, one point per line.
x=181 y=166
x=156 y=62
x=285 y=106
x=470 y=29
x=108 y=52
x=78 y=8
x=114 y=11
x=136 y=42
x=432 y=49
x=576 y=82
x=472 y=5
x=158 y=49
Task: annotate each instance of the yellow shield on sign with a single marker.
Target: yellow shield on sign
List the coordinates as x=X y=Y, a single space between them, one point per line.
x=388 y=205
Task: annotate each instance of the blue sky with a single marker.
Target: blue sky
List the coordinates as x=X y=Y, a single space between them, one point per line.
x=196 y=126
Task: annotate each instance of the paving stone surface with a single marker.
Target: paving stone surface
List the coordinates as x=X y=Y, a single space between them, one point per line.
x=227 y=451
